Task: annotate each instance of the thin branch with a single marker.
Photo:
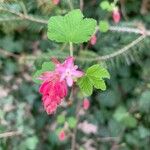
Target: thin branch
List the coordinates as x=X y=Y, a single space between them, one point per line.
x=129 y=30
x=120 y=51
x=70 y=4
x=81 y=5
x=9 y=19
x=24 y=16
x=71 y=48
x=73 y=140
x=7 y=53
x=10 y=134
x=42 y=21
x=109 y=139
x=100 y=58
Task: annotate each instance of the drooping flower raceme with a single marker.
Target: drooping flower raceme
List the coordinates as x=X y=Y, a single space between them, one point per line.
x=68 y=71
x=54 y=83
x=53 y=91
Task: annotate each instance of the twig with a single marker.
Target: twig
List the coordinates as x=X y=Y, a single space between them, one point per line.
x=24 y=16
x=112 y=28
x=10 y=134
x=120 y=51
x=129 y=30
x=81 y=4
x=7 y=53
x=71 y=48
x=109 y=139
x=10 y=19
x=70 y=4
x=42 y=21
x=73 y=141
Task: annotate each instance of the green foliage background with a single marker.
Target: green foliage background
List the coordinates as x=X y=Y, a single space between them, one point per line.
x=121 y=111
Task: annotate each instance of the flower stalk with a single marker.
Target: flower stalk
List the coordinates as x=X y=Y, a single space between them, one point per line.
x=71 y=49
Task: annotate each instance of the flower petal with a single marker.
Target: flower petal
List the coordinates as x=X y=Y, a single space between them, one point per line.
x=69 y=81
x=77 y=73
x=69 y=63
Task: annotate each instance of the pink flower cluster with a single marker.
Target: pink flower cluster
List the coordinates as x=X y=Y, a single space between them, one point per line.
x=87 y=127
x=54 y=85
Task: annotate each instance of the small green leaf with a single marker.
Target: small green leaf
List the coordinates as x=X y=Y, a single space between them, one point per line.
x=104 y=5
x=53 y=137
x=85 y=86
x=94 y=77
x=60 y=119
x=46 y=66
x=36 y=75
x=72 y=122
x=122 y=116
x=98 y=83
x=31 y=142
x=144 y=132
x=103 y=26
x=129 y=121
x=144 y=102
x=120 y=113
x=98 y=72
x=71 y=27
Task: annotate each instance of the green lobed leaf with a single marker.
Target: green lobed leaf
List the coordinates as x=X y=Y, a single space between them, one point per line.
x=144 y=132
x=60 y=119
x=144 y=102
x=122 y=116
x=98 y=72
x=72 y=121
x=103 y=26
x=94 y=77
x=85 y=85
x=98 y=83
x=104 y=5
x=31 y=142
x=46 y=66
x=71 y=27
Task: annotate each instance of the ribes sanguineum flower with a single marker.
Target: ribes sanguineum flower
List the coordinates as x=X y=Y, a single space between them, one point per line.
x=68 y=71
x=93 y=40
x=53 y=91
x=54 y=83
x=116 y=15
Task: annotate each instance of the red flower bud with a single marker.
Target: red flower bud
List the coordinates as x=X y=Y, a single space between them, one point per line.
x=116 y=16
x=86 y=104
x=62 y=135
x=93 y=40
x=55 y=2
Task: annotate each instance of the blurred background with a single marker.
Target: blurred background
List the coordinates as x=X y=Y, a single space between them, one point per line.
x=120 y=115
